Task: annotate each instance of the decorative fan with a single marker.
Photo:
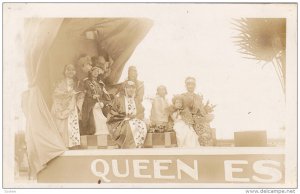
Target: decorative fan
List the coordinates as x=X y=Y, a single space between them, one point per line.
x=264 y=40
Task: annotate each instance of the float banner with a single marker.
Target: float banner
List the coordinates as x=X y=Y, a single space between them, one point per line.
x=176 y=168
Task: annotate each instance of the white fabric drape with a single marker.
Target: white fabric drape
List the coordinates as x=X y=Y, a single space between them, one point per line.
x=42 y=137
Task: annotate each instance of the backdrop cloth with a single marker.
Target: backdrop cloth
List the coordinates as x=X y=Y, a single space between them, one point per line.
x=117 y=36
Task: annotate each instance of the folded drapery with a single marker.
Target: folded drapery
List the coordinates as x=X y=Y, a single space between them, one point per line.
x=49 y=44
x=42 y=137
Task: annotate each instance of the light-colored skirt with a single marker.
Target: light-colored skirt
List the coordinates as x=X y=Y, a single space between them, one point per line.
x=100 y=120
x=185 y=135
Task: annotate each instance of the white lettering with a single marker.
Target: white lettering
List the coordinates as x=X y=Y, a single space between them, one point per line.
x=192 y=172
x=116 y=171
x=261 y=168
x=158 y=168
x=105 y=169
x=229 y=170
x=137 y=167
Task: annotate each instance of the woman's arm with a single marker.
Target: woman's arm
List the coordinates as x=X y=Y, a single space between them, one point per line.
x=105 y=96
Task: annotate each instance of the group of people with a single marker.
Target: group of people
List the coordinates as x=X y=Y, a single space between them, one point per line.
x=82 y=105
x=187 y=116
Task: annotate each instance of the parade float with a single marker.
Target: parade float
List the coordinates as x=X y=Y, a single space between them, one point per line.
x=51 y=43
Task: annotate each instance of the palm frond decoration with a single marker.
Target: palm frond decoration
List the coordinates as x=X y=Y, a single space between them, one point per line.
x=264 y=40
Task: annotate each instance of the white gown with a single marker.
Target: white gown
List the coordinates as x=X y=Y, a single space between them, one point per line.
x=100 y=120
x=185 y=134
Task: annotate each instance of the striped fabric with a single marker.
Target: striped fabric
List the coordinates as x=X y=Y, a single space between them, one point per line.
x=160 y=140
x=97 y=142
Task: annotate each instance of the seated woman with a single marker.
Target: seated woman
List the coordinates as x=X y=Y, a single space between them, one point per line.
x=64 y=108
x=202 y=114
x=160 y=110
x=96 y=97
x=125 y=120
x=183 y=122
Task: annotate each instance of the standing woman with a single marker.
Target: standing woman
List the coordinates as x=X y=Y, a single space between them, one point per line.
x=64 y=108
x=96 y=97
x=125 y=119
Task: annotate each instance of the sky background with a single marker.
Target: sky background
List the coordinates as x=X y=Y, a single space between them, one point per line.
x=248 y=94
x=197 y=42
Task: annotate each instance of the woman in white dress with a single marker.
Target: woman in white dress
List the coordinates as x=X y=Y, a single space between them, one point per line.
x=183 y=122
x=160 y=110
x=64 y=109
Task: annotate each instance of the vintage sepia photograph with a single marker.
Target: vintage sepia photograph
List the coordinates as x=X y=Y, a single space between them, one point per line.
x=150 y=95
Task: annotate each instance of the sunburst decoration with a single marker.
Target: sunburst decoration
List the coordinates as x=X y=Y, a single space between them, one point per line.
x=264 y=40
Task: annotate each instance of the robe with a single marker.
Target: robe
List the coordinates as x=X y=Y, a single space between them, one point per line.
x=64 y=111
x=125 y=122
x=159 y=111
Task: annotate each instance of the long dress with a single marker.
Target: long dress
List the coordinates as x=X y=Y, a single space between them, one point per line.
x=159 y=111
x=93 y=120
x=185 y=133
x=64 y=112
x=125 y=122
x=201 y=118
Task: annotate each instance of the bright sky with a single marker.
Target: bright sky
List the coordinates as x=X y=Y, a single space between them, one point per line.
x=248 y=95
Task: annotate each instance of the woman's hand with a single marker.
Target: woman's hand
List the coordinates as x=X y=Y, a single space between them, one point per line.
x=129 y=117
x=101 y=104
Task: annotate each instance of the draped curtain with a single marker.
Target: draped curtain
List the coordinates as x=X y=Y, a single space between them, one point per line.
x=42 y=137
x=52 y=43
x=116 y=37
x=119 y=38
